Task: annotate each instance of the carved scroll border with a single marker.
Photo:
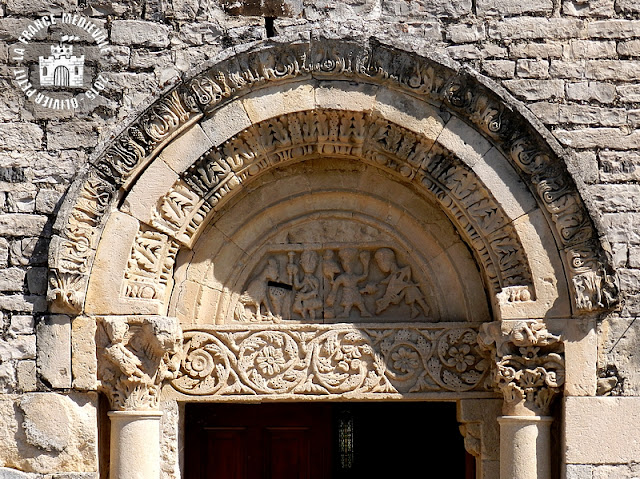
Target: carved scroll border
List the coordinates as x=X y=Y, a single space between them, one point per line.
x=82 y=217
x=350 y=361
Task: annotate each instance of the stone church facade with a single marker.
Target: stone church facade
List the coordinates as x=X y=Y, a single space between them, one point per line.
x=323 y=203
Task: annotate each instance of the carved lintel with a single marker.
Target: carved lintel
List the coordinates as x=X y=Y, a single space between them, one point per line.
x=136 y=355
x=323 y=360
x=528 y=364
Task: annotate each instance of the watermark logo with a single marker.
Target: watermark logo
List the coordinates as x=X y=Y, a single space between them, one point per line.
x=62 y=82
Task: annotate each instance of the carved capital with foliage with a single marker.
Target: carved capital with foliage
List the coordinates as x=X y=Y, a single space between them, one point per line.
x=135 y=356
x=528 y=364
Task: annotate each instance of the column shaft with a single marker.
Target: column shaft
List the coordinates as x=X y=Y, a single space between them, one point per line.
x=135 y=445
x=525 y=447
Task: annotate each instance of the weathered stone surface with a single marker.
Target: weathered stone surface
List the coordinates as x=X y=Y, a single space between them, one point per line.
x=37 y=280
x=20 y=347
x=12 y=279
x=20 y=136
x=580 y=8
x=136 y=32
x=589 y=91
x=15 y=224
x=466 y=33
x=24 y=7
x=629 y=48
x=46 y=200
x=21 y=324
x=629 y=93
x=587 y=417
x=622 y=227
x=532 y=68
x=499 y=68
x=528 y=28
x=614 y=29
x=536 y=89
x=83 y=358
x=44 y=432
x=69 y=135
x=54 y=350
x=615 y=138
x=509 y=7
x=590 y=49
x=549 y=49
x=26 y=376
x=628 y=6
x=615 y=198
x=555 y=113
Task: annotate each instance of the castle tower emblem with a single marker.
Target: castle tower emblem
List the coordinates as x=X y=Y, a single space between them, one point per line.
x=62 y=68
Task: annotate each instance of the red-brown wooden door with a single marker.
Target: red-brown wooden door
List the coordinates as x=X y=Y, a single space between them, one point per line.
x=310 y=441
x=269 y=441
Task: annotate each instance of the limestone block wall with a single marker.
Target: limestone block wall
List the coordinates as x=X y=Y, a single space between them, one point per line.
x=574 y=63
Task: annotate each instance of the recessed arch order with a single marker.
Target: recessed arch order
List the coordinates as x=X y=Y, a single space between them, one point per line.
x=445 y=133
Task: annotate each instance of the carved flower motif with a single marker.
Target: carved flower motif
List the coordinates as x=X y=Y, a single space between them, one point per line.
x=405 y=360
x=270 y=360
x=529 y=352
x=461 y=357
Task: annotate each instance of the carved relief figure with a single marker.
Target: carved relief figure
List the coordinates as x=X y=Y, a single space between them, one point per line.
x=399 y=285
x=256 y=294
x=349 y=280
x=307 y=299
x=308 y=282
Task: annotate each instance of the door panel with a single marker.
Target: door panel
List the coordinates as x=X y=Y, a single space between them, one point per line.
x=324 y=441
x=287 y=453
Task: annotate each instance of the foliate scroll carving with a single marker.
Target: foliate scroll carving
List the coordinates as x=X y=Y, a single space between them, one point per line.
x=76 y=244
x=338 y=281
x=135 y=356
x=150 y=265
x=593 y=281
x=344 y=134
x=528 y=364
x=323 y=360
x=140 y=141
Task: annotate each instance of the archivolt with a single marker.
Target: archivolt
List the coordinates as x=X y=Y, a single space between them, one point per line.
x=403 y=146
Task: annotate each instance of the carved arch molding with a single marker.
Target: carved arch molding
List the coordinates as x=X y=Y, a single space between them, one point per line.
x=142 y=207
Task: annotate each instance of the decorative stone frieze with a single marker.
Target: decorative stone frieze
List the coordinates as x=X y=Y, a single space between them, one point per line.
x=309 y=361
x=528 y=365
x=136 y=354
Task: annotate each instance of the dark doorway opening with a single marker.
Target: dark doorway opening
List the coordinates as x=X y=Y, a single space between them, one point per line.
x=324 y=441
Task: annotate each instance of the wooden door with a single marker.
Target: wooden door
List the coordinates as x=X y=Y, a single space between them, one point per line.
x=268 y=441
x=324 y=441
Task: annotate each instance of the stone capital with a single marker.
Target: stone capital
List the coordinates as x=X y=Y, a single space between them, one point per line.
x=527 y=364
x=136 y=354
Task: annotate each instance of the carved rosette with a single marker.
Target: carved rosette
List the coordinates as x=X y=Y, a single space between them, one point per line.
x=135 y=356
x=322 y=360
x=528 y=365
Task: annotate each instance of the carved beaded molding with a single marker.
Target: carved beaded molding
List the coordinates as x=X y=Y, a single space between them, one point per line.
x=80 y=222
x=320 y=361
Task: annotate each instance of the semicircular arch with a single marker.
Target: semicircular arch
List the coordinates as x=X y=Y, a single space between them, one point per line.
x=405 y=112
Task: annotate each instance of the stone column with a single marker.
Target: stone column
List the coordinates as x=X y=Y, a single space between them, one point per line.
x=135 y=356
x=528 y=368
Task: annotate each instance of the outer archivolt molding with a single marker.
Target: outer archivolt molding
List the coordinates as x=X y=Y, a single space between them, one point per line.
x=79 y=225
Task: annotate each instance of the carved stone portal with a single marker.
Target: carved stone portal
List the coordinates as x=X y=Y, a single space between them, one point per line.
x=135 y=356
x=335 y=282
